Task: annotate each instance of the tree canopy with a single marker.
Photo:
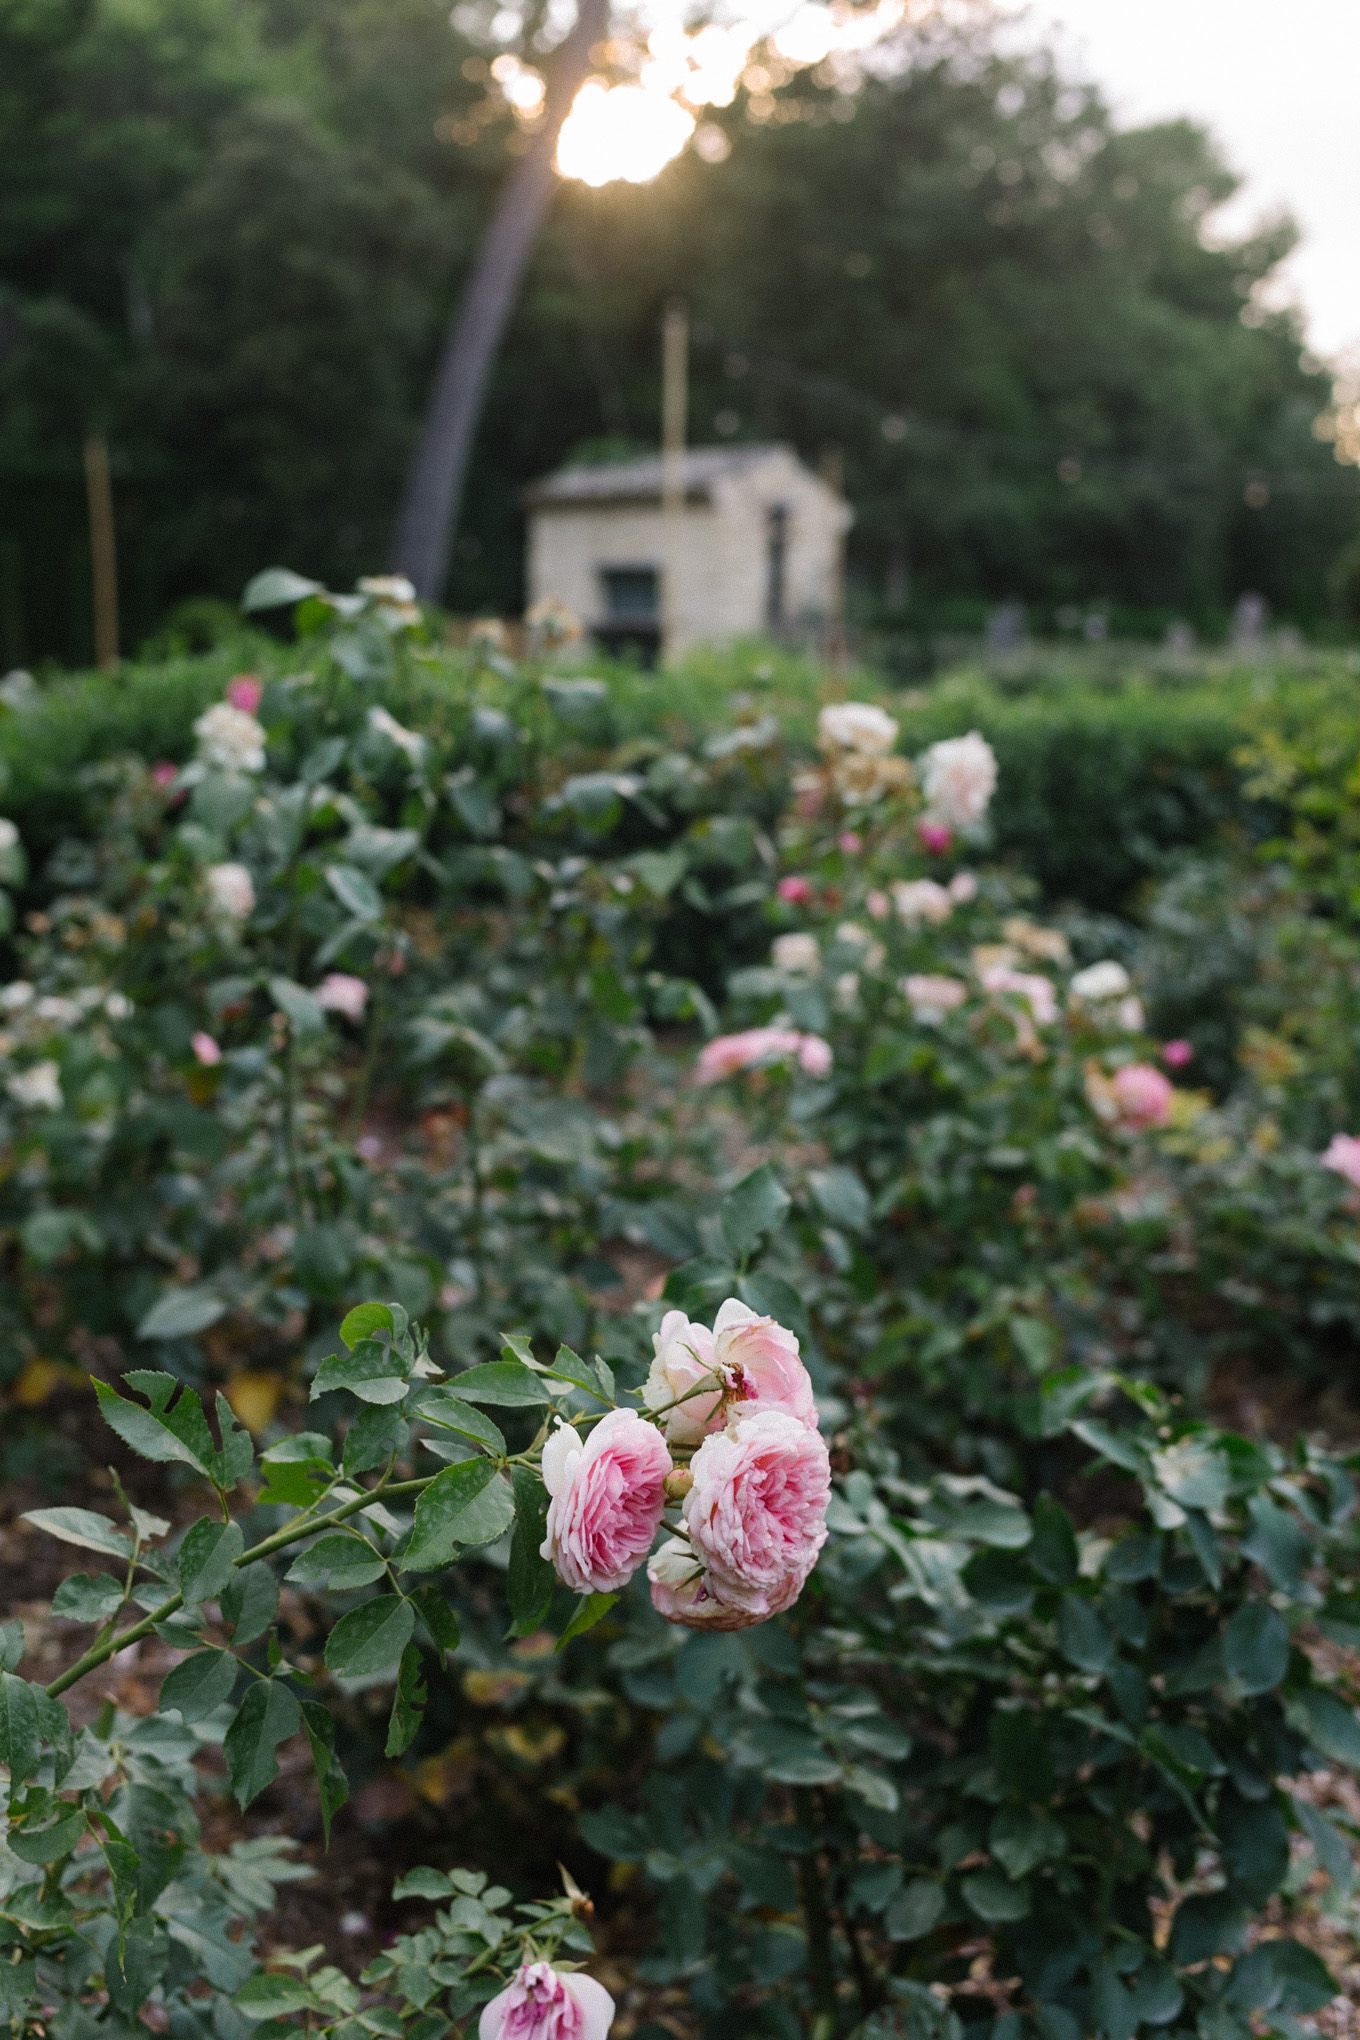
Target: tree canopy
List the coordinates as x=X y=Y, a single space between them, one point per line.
x=233 y=235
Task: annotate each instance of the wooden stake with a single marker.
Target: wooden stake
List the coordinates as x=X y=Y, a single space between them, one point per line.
x=103 y=558
x=674 y=410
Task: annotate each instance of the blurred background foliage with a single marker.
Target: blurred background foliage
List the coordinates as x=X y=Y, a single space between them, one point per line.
x=232 y=237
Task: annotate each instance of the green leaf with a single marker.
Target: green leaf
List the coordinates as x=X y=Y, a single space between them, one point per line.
x=1083 y=1638
x=1329 y=1845
x=1194 y=1473
x=199 y=1684
x=1021 y=1840
x=773 y=1297
x=840 y=1196
x=21 y=1722
x=364 y=1320
x=273 y=1997
x=173 y=1429
x=180 y=1313
x=1035 y=1341
x=304 y=1014
x=330 y=1776
x=49 y=1844
x=373 y=1372
x=297 y=1469
x=994 y=1898
x=267 y=1716
x=12 y=1645
x=277 y=588
x=1157 y=1995
x=88 y=1597
x=1281 y=1975
x=1277 y=1543
x=1213 y=1924
x=408 y=1704
x=359 y=896
x=345 y=1560
x=434 y=1538
x=503 y=1383
x=1330 y=1726
x=370 y=1638
x=85 y=1527
x=438 y=1617
x=1053 y=1549
x=755 y=1207
x=249 y=1601
x=1256 y=1647
x=135 y=1964
x=623 y=1837
x=590 y=1609
x=376 y=1433
x=441 y=1406
x=488 y=1516
x=207 y=1558
x=915 y=1911
x=531 y=1580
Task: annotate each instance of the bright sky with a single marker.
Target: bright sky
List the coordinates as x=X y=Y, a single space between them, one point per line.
x=1276 y=81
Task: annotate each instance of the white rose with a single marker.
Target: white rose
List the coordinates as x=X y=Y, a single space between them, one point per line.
x=796 y=955
x=231 y=890
x=230 y=740
x=856 y=726
x=932 y=997
x=1107 y=980
x=38 y=1087
x=958 y=779
x=921 y=899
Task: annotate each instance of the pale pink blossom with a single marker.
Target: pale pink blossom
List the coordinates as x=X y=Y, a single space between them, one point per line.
x=1343 y=1157
x=1176 y=1054
x=1037 y=991
x=1142 y=1095
x=797 y=955
x=340 y=993
x=607 y=1492
x=921 y=900
x=851 y=842
x=877 y=904
x=932 y=997
x=761 y=1048
x=935 y=837
x=681 y=1592
x=245 y=692
x=759 y=1363
x=958 y=779
x=543 y=2003
x=231 y=890
x=756 y=1514
x=206 y=1050
x=682 y=1358
x=795 y=892
x=963 y=888
x=859 y=726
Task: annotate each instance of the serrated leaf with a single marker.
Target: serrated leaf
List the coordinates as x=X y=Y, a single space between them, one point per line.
x=273 y=1997
x=438 y=1617
x=754 y=1208
x=207 y=1558
x=364 y=1320
x=343 y=1561
x=249 y=1601
x=332 y=1783
x=49 y=1844
x=441 y=1406
x=370 y=1638
x=21 y=1720
x=434 y=1538
x=502 y=1383
x=408 y=1703
x=199 y=1684
x=267 y=1716
x=88 y=1597
x=373 y=1372
x=172 y=1430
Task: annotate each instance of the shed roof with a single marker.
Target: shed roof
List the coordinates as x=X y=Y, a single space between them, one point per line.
x=639 y=481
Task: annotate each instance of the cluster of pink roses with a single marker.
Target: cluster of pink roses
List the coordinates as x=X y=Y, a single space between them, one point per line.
x=753 y=1498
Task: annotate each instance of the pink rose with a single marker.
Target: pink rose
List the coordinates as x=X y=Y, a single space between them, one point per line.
x=681 y=1592
x=683 y=1357
x=206 y=1050
x=542 y=2005
x=850 y=842
x=1176 y=1054
x=244 y=692
x=164 y=774
x=607 y=1496
x=878 y=904
x=795 y=892
x=756 y=1514
x=1343 y=1157
x=339 y=993
x=760 y=1048
x=1142 y=1095
x=759 y=1363
x=1028 y=985
x=962 y=888
x=935 y=837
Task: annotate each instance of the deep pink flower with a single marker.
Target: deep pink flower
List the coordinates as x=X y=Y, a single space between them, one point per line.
x=1343 y=1157
x=1142 y=1095
x=164 y=774
x=607 y=1496
x=851 y=842
x=756 y=1514
x=759 y=1362
x=339 y=993
x=935 y=837
x=795 y=892
x=542 y=2004
x=206 y=1050
x=1176 y=1054
x=245 y=692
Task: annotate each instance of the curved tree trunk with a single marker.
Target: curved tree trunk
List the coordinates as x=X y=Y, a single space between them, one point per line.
x=434 y=482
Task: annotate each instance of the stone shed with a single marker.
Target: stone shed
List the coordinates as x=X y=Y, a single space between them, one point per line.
x=758 y=548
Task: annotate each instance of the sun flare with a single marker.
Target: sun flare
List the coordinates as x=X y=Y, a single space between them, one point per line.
x=621 y=131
